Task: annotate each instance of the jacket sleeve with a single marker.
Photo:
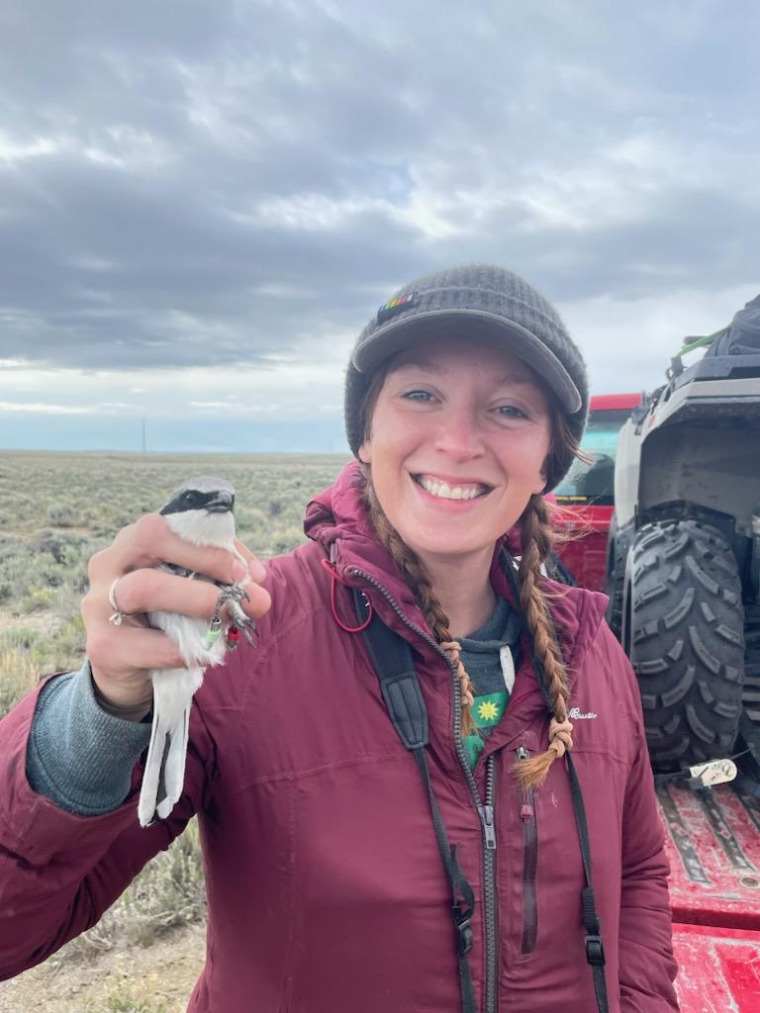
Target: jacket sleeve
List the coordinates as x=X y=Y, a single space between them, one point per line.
x=78 y=755
x=60 y=871
x=647 y=968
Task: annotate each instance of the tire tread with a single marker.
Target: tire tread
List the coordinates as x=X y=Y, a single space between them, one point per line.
x=686 y=640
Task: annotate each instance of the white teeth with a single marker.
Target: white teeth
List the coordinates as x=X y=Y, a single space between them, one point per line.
x=445 y=491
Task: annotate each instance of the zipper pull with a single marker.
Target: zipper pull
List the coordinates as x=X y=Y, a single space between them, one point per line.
x=489 y=830
x=526 y=807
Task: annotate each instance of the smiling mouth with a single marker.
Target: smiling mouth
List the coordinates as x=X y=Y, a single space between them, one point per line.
x=442 y=490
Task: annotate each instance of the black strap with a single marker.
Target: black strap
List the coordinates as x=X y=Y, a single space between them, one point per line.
x=463 y=899
x=594 y=946
x=593 y=940
x=392 y=658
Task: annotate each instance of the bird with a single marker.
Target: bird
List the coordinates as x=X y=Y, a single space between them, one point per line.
x=200 y=511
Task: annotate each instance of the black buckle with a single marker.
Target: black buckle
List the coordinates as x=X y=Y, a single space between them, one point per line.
x=462 y=923
x=595 y=951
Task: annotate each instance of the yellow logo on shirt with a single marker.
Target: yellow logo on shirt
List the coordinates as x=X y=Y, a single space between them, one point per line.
x=488 y=711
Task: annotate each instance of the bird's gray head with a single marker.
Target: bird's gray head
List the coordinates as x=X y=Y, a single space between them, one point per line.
x=200 y=510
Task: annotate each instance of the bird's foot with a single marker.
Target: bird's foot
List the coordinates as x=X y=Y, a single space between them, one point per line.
x=241 y=622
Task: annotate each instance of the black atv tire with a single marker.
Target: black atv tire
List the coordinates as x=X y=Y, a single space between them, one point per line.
x=618 y=544
x=683 y=629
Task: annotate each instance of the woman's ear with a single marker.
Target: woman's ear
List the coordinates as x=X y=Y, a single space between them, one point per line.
x=365 y=452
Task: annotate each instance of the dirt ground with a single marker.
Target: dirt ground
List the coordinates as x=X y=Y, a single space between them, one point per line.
x=154 y=979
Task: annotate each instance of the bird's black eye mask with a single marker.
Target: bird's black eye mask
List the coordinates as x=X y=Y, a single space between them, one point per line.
x=192 y=499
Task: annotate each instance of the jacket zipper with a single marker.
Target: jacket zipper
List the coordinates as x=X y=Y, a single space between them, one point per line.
x=530 y=863
x=484 y=808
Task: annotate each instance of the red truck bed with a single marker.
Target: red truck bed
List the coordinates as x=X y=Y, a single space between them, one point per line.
x=719 y=969
x=713 y=843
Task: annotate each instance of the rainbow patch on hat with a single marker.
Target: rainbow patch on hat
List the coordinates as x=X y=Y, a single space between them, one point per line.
x=394 y=306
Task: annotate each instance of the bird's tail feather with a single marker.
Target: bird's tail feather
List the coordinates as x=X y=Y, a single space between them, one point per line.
x=164 y=773
x=174 y=765
x=146 y=808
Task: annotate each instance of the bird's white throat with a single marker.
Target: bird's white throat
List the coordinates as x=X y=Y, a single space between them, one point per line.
x=203 y=528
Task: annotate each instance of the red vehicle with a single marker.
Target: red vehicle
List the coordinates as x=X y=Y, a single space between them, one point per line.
x=712 y=834
x=586 y=496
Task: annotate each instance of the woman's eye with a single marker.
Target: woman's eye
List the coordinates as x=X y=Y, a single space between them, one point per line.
x=417 y=395
x=510 y=411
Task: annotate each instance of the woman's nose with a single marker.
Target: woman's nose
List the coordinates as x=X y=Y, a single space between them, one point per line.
x=459 y=435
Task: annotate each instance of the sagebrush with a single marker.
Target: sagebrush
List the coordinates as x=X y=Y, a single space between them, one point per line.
x=59 y=509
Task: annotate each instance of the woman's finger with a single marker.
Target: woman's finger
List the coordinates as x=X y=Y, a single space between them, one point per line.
x=150 y=541
x=155 y=590
x=256 y=568
x=131 y=647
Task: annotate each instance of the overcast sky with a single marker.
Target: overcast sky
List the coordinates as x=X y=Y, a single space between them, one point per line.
x=201 y=203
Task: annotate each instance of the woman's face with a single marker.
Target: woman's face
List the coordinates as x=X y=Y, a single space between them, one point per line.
x=458 y=442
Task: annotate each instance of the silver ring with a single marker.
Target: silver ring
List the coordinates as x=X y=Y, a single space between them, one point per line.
x=118 y=615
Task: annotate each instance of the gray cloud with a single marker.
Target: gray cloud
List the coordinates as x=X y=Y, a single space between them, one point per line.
x=188 y=184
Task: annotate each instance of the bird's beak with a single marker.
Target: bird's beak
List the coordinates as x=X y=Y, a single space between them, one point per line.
x=221 y=503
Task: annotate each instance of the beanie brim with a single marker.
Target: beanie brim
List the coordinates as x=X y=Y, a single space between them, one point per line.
x=478 y=325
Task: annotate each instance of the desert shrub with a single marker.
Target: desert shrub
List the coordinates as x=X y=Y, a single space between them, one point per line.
x=63 y=516
x=18 y=563
x=276 y=507
x=18 y=676
x=68 y=647
x=37 y=600
x=130 y=1004
x=23 y=638
x=64 y=546
x=253 y=526
x=286 y=539
x=79 y=578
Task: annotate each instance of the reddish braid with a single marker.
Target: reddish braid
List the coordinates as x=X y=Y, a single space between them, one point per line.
x=413 y=571
x=536 y=547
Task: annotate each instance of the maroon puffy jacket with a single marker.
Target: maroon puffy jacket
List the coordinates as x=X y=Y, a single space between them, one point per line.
x=325 y=886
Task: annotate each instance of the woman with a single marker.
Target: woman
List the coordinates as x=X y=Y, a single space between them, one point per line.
x=333 y=859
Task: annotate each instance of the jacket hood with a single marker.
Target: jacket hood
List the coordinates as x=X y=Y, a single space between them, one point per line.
x=337 y=519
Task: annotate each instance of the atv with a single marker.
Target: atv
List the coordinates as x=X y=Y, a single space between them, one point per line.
x=683 y=558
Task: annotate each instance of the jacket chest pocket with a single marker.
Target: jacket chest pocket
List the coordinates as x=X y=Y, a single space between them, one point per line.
x=527 y=802
x=518 y=870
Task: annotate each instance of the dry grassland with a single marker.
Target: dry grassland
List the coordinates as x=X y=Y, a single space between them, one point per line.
x=56 y=510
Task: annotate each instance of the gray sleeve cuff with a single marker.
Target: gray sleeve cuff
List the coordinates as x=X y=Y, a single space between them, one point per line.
x=80 y=757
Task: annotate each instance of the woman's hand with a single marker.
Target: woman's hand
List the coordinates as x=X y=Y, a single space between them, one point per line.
x=121 y=657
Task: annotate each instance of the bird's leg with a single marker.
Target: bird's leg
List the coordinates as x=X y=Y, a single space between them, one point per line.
x=231 y=597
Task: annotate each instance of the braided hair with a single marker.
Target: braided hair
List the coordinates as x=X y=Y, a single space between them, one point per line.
x=536 y=549
x=414 y=573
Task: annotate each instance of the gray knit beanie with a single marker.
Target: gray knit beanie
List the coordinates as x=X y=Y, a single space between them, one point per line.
x=478 y=302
